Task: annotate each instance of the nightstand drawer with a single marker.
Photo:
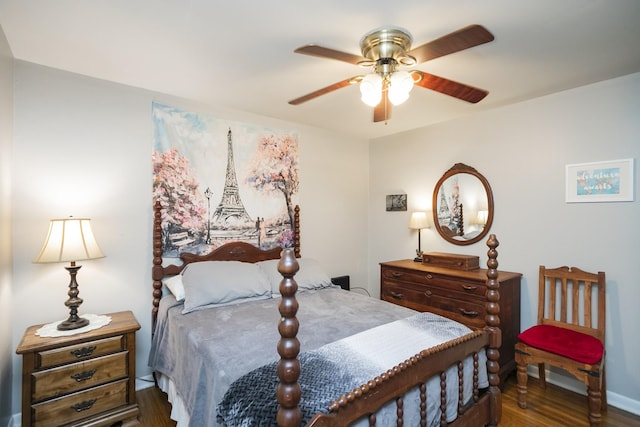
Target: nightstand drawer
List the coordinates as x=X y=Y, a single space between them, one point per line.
x=78 y=376
x=442 y=281
x=80 y=405
x=73 y=353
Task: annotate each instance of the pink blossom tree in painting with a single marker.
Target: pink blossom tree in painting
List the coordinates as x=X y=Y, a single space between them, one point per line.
x=176 y=188
x=274 y=168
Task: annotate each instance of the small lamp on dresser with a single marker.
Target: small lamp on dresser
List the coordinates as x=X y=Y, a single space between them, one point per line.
x=418 y=221
x=70 y=240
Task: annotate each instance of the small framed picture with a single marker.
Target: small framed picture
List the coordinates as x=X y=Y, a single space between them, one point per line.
x=609 y=181
x=396 y=202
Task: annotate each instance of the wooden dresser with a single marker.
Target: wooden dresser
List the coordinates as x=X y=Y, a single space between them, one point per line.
x=86 y=379
x=456 y=294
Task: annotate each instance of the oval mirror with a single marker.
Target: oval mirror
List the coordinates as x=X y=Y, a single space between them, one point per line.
x=462 y=205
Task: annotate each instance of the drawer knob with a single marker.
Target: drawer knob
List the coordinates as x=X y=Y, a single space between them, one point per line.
x=396 y=273
x=468 y=313
x=469 y=287
x=429 y=276
x=83 y=406
x=83 y=376
x=428 y=293
x=396 y=295
x=83 y=352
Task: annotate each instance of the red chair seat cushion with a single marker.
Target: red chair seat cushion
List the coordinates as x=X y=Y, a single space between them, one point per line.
x=565 y=342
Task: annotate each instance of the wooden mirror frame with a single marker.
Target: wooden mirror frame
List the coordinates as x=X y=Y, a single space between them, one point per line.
x=448 y=235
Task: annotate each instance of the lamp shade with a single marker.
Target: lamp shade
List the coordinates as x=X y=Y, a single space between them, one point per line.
x=69 y=239
x=483 y=216
x=418 y=221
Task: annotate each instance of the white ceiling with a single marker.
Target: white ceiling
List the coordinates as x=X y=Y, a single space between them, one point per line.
x=239 y=54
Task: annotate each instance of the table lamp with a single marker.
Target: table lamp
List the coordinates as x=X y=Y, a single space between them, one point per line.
x=70 y=240
x=418 y=221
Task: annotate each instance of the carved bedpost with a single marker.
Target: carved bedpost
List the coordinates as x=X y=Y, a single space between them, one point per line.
x=493 y=326
x=288 y=392
x=296 y=230
x=156 y=271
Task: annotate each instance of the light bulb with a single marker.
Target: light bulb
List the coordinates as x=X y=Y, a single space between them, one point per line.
x=371 y=89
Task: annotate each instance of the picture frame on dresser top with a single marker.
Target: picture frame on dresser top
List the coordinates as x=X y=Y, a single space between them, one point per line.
x=458 y=295
x=82 y=379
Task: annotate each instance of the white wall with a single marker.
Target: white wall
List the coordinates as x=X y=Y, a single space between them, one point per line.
x=6 y=129
x=82 y=147
x=522 y=150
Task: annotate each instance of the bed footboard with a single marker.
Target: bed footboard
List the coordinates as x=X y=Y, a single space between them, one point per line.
x=484 y=408
x=412 y=373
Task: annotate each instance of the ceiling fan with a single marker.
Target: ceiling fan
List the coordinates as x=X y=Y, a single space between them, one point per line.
x=386 y=50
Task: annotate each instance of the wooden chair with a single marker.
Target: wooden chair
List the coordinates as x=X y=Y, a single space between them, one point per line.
x=570 y=333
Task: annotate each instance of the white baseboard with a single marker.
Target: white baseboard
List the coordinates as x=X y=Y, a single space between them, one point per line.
x=572 y=384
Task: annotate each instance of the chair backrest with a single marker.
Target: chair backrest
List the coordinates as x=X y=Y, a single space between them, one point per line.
x=572 y=298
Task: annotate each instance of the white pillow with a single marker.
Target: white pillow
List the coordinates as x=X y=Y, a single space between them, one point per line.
x=215 y=283
x=311 y=275
x=174 y=284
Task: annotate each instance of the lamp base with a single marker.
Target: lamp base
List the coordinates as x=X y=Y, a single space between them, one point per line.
x=417 y=259
x=70 y=324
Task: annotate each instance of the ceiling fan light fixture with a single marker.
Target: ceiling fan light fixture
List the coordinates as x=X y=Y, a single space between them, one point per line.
x=371 y=89
x=400 y=84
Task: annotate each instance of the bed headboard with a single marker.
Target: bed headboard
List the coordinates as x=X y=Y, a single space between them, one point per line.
x=232 y=251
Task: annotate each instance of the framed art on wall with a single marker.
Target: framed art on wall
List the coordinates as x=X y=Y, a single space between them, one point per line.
x=607 y=181
x=396 y=202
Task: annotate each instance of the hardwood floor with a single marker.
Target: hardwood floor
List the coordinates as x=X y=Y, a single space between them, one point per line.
x=554 y=406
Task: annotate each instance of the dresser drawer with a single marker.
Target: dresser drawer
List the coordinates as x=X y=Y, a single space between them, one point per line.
x=467 y=287
x=428 y=298
x=78 y=376
x=74 y=353
x=80 y=405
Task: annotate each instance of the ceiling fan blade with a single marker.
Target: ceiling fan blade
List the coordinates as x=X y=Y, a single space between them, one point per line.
x=325 y=52
x=382 y=111
x=467 y=37
x=449 y=87
x=325 y=90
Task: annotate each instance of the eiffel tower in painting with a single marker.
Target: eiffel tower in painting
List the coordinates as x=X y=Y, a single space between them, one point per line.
x=230 y=211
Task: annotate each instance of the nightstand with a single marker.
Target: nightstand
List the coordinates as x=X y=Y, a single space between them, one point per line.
x=86 y=379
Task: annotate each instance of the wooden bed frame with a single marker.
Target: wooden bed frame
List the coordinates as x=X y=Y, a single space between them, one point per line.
x=483 y=409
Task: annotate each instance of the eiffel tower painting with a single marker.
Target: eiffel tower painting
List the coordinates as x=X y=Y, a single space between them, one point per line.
x=231 y=212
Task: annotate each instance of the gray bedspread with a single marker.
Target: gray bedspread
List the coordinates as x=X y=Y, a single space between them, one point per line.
x=203 y=352
x=338 y=367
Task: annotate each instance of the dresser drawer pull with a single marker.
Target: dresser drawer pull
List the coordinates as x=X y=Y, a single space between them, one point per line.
x=429 y=276
x=428 y=293
x=396 y=295
x=83 y=406
x=468 y=313
x=83 y=376
x=469 y=287
x=396 y=273
x=83 y=352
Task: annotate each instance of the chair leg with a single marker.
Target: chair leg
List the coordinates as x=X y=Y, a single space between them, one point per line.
x=542 y=374
x=522 y=377
x=595 y=404
x=603 y=390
